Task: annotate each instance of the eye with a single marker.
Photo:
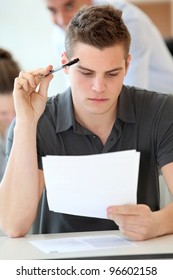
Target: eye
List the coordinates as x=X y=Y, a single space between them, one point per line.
x=112 y=74
x=52 y=11
x=69 y=6
x=86 y=73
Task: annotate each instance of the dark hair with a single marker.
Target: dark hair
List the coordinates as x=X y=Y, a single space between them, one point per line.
x=9 y=70
x=98 y=26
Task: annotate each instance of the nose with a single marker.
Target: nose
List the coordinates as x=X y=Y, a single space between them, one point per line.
x=98 y=84
x=61 y=20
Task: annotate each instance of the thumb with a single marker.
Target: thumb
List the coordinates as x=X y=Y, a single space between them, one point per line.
x=44 y=85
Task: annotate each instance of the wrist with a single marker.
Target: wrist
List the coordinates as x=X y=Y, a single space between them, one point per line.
x=26 y=123
x=25 y=127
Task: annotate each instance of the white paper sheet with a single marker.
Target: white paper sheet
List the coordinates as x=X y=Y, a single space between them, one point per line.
x=77 y=244
x=87 y=185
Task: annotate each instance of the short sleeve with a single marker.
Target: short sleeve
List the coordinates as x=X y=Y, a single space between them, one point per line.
x=164 y=134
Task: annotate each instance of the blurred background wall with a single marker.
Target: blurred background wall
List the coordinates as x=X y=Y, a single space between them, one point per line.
x=161 y=13
x=26 y=31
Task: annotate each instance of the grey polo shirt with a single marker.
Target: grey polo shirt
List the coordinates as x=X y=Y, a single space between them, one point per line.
x=144 y=122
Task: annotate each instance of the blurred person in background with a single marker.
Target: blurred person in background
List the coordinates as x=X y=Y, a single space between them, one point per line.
x=9 y=70
x=151 y=65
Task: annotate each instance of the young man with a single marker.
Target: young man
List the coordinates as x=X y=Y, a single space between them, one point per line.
x=152 y=64
x=96 y=115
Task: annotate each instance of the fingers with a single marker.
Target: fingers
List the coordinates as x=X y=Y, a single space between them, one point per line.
x=135 y=221
x=44 y=85
x=132 y=235
x=139 y=209
x=25 y=81
x=129 y=214
x=137 y=232
x=30 y=80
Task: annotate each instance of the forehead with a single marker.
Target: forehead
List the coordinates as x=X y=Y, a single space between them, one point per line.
x=99 y=60
x=57 y=4
x=107 y=53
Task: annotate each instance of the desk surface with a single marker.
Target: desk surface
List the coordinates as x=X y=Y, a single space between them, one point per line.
x=20 y=248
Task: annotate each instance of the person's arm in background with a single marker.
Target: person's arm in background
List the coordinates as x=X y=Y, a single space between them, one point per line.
x=23 y=184
x=139 y=71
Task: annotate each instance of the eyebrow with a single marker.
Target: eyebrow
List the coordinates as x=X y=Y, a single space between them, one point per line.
x=111 y=70
x=51 y=9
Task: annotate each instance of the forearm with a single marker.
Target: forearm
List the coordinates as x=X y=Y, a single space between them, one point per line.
x=22 y=185
x=165 y=220
x=19 y=193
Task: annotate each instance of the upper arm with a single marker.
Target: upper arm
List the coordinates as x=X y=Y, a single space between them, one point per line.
x=41 y=182
x=167 y=171
x=140 y=49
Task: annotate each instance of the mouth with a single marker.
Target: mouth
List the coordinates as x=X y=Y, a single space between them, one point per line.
x=98 y=99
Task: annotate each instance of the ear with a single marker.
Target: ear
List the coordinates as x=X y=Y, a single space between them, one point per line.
x=64 y=60
x=128 y=63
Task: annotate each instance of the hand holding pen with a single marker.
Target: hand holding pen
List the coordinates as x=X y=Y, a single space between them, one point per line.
x=30 y=91
x=63 y=66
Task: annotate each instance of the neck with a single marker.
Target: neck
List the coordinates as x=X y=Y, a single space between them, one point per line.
x=101 y=125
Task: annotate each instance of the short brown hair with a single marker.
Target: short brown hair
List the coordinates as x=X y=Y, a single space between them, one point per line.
x=98 y=26
x=9 y=70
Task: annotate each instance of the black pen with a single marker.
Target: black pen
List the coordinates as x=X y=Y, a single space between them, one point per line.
x=63 y=66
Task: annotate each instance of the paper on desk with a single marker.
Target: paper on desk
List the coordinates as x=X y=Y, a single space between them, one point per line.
x=87 y=185
x=80 y=243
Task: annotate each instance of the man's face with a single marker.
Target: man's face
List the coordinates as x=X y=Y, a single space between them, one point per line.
x=63 y=10
x=97 y=79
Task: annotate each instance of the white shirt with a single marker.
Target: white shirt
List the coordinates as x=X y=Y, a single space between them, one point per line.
x=152 y=64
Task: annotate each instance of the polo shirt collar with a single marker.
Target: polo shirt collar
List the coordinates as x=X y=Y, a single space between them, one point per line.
x=65 y=118
x=125 y=111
